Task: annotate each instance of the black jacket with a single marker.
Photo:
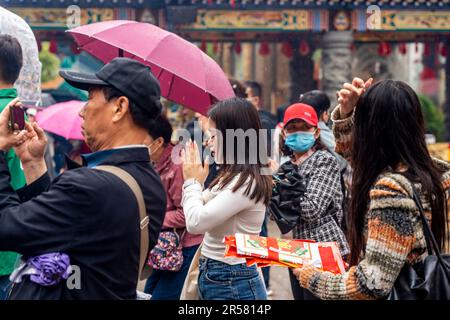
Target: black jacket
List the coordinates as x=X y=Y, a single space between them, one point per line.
x=268 y=122
x=90 y=215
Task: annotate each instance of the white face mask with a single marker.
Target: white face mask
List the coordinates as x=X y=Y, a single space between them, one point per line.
x=151 y=151
x=213 y=144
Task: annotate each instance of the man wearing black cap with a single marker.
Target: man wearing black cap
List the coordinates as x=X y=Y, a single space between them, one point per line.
x=86 y=215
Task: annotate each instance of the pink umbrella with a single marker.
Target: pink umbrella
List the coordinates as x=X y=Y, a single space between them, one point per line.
x=62 y=119
x=186 y=74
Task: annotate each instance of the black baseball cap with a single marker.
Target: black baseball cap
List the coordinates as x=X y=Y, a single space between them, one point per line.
x=132 y=78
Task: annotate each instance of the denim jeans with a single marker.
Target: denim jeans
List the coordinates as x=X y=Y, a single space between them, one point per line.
x=167 y=285
x=221 y=281
x=5 y=285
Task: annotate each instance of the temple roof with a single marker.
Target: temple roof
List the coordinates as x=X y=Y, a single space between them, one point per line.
x=83 y=3
x=316 y=4
x=238 y=4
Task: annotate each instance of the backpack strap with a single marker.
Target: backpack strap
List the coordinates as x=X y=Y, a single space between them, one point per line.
x=144 y=219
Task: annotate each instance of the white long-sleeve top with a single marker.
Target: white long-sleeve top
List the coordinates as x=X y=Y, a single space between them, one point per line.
x=218 y=213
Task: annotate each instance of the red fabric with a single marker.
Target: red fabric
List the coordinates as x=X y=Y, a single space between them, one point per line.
x=172 y=178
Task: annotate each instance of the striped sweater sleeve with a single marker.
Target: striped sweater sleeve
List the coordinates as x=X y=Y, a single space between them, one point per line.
x=342 y=130
x=392 y=233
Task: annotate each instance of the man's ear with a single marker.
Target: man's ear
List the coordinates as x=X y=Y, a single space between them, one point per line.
x=160 y=141
x=121 y=106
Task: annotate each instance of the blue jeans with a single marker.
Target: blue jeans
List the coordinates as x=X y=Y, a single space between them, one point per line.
x=167 y=285
x=5 y=285
x=221 y=281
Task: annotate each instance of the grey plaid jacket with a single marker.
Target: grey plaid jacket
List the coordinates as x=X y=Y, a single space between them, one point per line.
x=321 y=206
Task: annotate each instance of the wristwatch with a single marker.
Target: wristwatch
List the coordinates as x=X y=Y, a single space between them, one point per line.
x=190 y=182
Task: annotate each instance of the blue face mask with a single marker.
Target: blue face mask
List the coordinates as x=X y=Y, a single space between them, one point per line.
x=300 y=141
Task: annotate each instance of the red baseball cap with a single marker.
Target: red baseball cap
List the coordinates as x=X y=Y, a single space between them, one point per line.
x=301 y=111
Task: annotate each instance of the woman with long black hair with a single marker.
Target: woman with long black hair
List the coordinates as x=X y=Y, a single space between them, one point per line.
x=235 y=202
x=381 y=129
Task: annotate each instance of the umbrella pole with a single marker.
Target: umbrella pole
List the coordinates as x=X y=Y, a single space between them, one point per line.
x=171 y=84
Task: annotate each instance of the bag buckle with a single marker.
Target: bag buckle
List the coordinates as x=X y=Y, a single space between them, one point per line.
x=144 y=223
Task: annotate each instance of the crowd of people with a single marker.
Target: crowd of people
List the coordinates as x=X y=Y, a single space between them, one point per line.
x=359 y=180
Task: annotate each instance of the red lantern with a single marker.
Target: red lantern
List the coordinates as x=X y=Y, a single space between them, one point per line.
x=216 y=47
x=443 y=49
x=232 y=3
x=384 y=49
x=304 y=49
x=203 y=46
x=237 y=47
x=287 y=50
x=74 y=48
x=53 y=46
x=402 y=48
x=264 y=49
x=427 y=73
x=427 y=49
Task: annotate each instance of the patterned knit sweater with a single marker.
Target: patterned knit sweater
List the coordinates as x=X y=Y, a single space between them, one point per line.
x=393 y=233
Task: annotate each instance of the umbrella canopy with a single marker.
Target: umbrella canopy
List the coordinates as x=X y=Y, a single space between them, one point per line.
x=62 y=119
x=29 y=83
x=186 y=74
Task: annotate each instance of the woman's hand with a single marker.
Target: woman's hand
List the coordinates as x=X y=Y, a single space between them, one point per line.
x=192 y=165
x=302 y=274
x=297 y=273
x=349 y=95
x=9 y=139
x=273 y=165
x=33 y=148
